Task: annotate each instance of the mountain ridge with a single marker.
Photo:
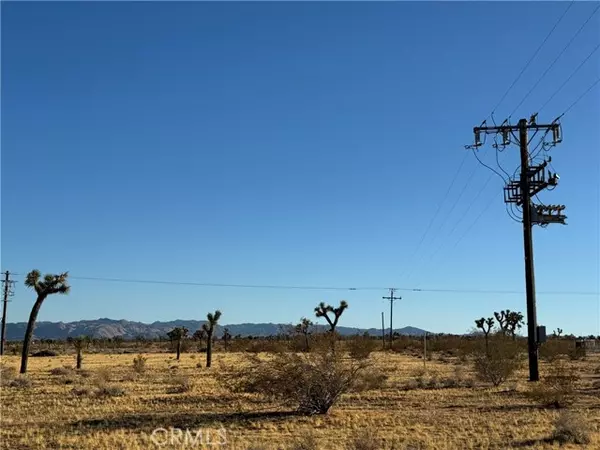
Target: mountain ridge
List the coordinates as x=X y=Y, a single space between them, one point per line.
x=109 y=328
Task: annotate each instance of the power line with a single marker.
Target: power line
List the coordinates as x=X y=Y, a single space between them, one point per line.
x=532 y=58
x=555 y=59
x=428 y=228
x=581 y=96
x=569 y=78
x=299 y=287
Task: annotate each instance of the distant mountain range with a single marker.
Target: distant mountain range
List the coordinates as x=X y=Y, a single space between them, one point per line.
x=109 y=328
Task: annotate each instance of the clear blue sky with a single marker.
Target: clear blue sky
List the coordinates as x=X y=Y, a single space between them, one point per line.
x=292 y=144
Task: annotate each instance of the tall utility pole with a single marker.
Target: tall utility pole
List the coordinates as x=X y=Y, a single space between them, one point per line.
x=382 y=331
x=7 y=292
x=531 y=181
x=391 y=298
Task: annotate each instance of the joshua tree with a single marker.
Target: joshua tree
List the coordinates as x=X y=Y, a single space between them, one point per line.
x=557 y=333
x=209 y=328
x=303 y=328
x=323 y=310
x=51 y=284
x=226 y=337
x=177 y=335
x=509 y=322
x=199 y=335
x=486 y=326
x=80 y=343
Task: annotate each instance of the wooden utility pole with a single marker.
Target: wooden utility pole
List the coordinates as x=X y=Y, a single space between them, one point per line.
x=532 y=180
x=7 y=292
x=382 y=331
x=425 y=350
x=391 y=298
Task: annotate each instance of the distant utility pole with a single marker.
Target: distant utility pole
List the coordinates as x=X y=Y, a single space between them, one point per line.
x=532 y=180
x=382 y=331
x=391 y=298
x=7 y=282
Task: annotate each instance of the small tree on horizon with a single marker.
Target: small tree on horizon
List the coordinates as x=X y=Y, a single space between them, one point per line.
x=303 y=328
x=323 y=310
x=226 y=338
x=177 y=335
x=51 y=284
x=509 y=322
x=209 y=328
x=486 y=326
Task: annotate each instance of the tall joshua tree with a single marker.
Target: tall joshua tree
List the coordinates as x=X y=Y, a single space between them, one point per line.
x=199 y=335
x=177 y=335
x=303 y=328
x=226 y=338
x=49 y=285
x=486 y=326
x=80 y=343
x=323 y=310
x=509 y=322
x=209 y=328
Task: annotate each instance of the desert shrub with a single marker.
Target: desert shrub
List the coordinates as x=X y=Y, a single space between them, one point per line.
x=497 y=364
x=370 y=380
x=139 y=364
x=20 y=382
x=179 y=384
x=554 y=349
x=557 y=388
x=570 y=428
x=109 y=391
x=577 y=353
x=311 y=382
x=81 y=392
x=266 y=346
x=366 y=440
x=7 y=373
x=85 y=373
x=61 y=371
x=102 y=376
x=361 y=347
x=44 y=353
x=306 y=441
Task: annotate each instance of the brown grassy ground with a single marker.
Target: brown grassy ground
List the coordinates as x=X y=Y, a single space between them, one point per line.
x=47 y=415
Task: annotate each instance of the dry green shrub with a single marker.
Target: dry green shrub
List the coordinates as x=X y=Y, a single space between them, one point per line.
x=361 y=347
x=81 y=392
x=557 y=388
x=570 y=428
x=266 y=346
x=365 y=440
x=20 y=382
x=307 y=441
x=310 y=382
x=555 y=349
x=61 y=371
x=139 y=364
x=109 y=391
x=180 y=384
x=496 y=365
x=102 y=376
x=7 y=373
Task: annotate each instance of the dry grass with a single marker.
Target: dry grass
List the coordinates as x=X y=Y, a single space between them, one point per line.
x=50 y=415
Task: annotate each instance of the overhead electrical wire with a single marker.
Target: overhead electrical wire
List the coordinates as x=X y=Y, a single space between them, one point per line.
x=428 y=228
x=337 y=288
x=555 y=60
x=532 y=58
x=580 y=97
x=569 y=78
